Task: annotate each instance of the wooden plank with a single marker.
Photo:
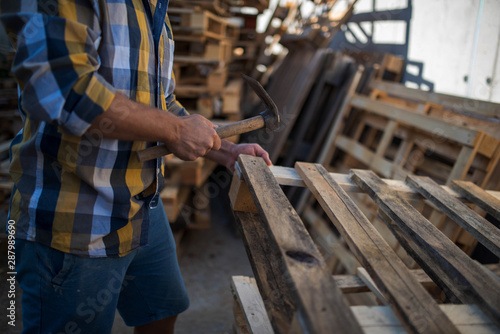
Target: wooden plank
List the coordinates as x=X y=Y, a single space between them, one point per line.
x=442 y=260
x=484 y=108
x=386 y=139
x=331 y=246
x=321 y=308
x=292 y=96
x=313 y=112
x=426 y=123
x=246 y=292
x=365 y=155
x=478 y=196
x=469 y=319
x=462 y=163
x=370 y=283
x=396 y=283
x=4 y=146
x=328 y=149
x=287 y=176
x=6 y=185
x=239 y=324
x=350 y=283
x=240 y=197
x=174 y=209
x=267 y=267
x=481 y=229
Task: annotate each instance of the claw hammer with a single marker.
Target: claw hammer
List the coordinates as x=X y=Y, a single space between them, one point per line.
x=268 y=119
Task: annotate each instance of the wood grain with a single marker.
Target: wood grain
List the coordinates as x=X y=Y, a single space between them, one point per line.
x=395 y=281
x=478 y=196
x=481 y=229
x=267 y=266
x=321 y=307
x=443 y=261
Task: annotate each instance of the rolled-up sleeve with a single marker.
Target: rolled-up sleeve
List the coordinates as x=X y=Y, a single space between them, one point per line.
x=173 y=105
x=57 y=63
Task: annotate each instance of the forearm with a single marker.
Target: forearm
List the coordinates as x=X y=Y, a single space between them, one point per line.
x=188 y=137
x=128 y=120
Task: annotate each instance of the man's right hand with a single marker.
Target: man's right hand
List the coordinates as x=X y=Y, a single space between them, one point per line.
x=188 y=137
x=195 y=137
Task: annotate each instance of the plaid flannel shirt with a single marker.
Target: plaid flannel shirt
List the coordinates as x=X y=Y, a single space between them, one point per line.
x=76 y=191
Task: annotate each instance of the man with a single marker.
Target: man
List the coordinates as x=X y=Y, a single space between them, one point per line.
x=95 y=79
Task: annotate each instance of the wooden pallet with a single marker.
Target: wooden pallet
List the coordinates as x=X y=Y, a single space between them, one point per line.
x=414 y=135
x=231 y=97
x=397 y=132
x=6 y=183
x=299 y=293
x=192 y=83
x=202 y=50
x=194 y=23
x=190 y=173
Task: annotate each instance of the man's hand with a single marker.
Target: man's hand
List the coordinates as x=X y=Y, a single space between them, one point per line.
x=188 y=137
x=195 y=138
x=229 y=152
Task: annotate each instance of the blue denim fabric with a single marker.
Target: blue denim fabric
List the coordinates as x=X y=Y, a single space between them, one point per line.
x=64 y=293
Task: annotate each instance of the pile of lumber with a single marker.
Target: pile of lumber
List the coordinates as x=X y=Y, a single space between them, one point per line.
x=210 y=36
x=185 y=195
x=215 y=42
x=10 y=124
x=209 y=42
x=294 y=290
x=309 y=87
x=397 y=132
x=348 y=110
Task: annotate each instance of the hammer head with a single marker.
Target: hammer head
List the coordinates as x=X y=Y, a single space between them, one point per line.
x=270 y=115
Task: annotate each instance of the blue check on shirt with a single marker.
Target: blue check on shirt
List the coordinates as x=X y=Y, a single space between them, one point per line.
x=76 y=191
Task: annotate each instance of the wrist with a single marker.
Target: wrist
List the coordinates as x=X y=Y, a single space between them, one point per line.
x=171 y=128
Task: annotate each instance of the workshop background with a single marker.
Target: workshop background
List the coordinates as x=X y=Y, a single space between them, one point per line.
x=398 y=87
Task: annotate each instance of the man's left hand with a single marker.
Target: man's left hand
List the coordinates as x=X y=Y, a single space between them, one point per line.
x=229 y=152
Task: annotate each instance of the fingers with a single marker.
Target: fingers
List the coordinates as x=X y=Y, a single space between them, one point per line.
x=252 y=149
x=197 y=138
x=264 y=155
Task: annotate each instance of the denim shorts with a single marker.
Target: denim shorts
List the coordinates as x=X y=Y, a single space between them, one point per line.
x=64 y=293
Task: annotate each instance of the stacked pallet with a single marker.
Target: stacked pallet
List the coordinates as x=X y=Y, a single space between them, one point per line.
x=294 y=290
x=397 y=131
x=10 y=124
x=185 y=195
x=206 y=35
x=208 y=44
x=204 y=43
x=308 y=88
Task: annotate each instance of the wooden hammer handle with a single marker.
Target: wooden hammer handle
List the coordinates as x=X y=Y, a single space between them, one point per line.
x=225 y=131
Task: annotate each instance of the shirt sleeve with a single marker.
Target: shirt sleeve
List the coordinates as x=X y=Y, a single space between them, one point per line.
x=57 y=62
x=173 y=105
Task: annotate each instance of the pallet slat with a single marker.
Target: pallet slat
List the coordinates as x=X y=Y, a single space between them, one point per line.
x=481 y=229
x=267 y=268
x=396 y=283
x=459 y=134
x=453 y=102
x=287 y=176
x=469 y=319
x=321 y=306
x=478 y=196
x=443 y=261
x=247 y=294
